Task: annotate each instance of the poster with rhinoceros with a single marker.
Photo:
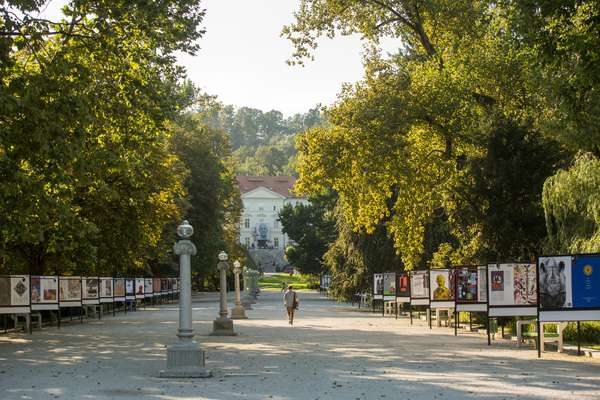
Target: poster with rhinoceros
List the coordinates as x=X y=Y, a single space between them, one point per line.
x=555 y=282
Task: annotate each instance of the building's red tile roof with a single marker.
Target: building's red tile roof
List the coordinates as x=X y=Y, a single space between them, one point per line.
x=278 y=184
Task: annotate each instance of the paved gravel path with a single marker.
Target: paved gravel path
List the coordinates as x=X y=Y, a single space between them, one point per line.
x=333 y=352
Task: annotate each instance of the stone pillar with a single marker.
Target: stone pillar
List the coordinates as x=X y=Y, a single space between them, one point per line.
x=185 y=359
x=223 y=326
x=247 y=300
x=238 y=311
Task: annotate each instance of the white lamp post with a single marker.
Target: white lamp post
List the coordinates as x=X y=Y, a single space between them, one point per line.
x=238 y=311
x=223 y=326
x=185 y=359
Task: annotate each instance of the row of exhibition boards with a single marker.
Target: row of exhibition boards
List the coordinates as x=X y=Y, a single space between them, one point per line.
x=22 y=294
x=553 y=289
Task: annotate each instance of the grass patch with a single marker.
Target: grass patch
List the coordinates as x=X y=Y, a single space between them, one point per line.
x=302 y=282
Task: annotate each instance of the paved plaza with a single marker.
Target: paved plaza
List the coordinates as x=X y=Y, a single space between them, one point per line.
x=332 y=352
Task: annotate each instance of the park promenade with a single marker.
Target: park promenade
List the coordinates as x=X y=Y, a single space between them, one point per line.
x=332 y=352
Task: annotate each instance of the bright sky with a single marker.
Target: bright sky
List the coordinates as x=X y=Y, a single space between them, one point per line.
x=242 y=59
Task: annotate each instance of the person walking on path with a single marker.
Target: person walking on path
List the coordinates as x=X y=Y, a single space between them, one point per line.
x=290 y=301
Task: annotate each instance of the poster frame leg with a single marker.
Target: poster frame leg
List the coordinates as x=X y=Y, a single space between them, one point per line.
x=383 y=307
x=578 y=336
x=429 y=317
x=487 y=328
x=410 y=311
x=539 y=337
x=58 y=318
x=456 y=319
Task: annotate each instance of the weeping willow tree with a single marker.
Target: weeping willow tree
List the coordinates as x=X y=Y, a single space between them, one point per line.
x=572 y=207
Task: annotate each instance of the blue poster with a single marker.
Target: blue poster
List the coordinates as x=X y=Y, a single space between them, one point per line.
x=586 y=282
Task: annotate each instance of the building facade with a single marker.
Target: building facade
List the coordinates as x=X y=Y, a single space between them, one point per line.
x=262 y=198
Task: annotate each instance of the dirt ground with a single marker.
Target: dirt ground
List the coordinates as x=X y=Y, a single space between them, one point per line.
x=332 y=352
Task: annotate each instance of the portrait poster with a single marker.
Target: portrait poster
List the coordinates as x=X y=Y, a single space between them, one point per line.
x=139 y=288
x=164 y=285
x=19 y=295
x=148 y=286
x=5 y=291
x=586 y=281
x=403 y=285
x=467 y=290
x=91 y=288
x=389 y=284
x=555 y=282
x=129 y=287
x=419 y=285
x=119 y=287
x=378 y=284
x=106 y=287
x=482 y=283
x=44 y=289
x=441 y=285
x=501 y=280
x=70 y=289
x=525 y=284
x=156 y=285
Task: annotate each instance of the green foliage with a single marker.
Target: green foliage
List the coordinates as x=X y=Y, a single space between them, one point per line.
x=299 y=281
x=572 y=207
x=312 y=227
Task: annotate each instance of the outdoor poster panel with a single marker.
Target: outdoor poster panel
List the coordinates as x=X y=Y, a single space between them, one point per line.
x=569 y=288
x=156 y=286
x=471 y=289
x=403 y=287
x=419 y=288
x=106 y=290
x=170 y=283
x=139 y=288
x=148 y=292
x=69 y=291
x=176 y=285
x=119 y=288
x=389 y=286
x=378 y=286
x=164 y=285
x=442 y=288
x=512 y=289
x=325 y=281
x=14 y=294
x=44 y=292
x=91 y=290
x=129 y=288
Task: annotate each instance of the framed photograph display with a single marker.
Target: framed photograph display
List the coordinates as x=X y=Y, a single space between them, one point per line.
x=91 y=290
x=512 y=289
x=419 y=288
x=44 y=292
x=325 y=281
x=175 y=285
x=569 y=287
x=15 y=296
x=156 y=286
x=378 y=286
x=389 y=286
x=403 y=288
x=140 y=288
x=164 y=285
x=119 y=289
x=69 y=291
x=471 y=289
x=171 y=281
x=129 y=289
x=106 y=290
x=148 y=292
x=441 y=282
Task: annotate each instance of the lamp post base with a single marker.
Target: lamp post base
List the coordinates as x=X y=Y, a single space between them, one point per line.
x=185 y=360
x=238 y=312
x=223 y=327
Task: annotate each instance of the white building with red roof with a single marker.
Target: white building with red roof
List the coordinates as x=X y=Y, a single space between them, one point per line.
x=263 y=197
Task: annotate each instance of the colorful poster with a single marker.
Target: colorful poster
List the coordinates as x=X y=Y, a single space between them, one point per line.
x=139 y=287
x=555 y=282
x=70 y=289
x=148 y=286
x=156 y=285
x=19 y=295
x=129 y=287
x=106 y=287
x=467 y=285
x=119 y=287
x=586 y=281
x=44 y=289
x=378 y=284
x=403 y=285
x=389 y=284
x=441 y=285
x=90 y=288
x=482 y=283
x=164 y=285
x=4 y=291
x=419 y=285
x=525 y=284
